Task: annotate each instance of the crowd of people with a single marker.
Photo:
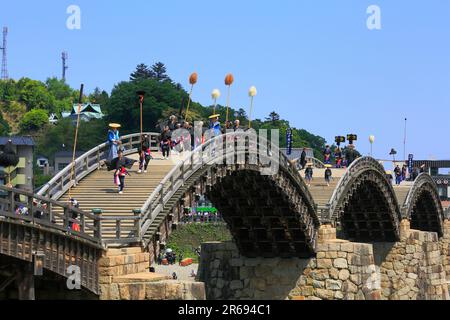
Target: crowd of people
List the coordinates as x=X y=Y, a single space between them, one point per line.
x=403 y=174
x=192 y=216
x=169 y=257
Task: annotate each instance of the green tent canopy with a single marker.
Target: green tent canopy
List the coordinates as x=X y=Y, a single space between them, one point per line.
x=206 y=209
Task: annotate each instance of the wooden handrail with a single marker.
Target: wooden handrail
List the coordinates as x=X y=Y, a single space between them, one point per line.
x=87 y=221
x=60 y=183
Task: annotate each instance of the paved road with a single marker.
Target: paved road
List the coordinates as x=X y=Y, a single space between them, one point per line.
x=183 y=273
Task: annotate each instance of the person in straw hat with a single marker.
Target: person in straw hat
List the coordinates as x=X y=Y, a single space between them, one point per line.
x=215 y=125
x=113 y=140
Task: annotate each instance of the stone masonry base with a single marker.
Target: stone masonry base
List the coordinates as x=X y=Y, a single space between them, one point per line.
x=415 y=268
x=124 y=275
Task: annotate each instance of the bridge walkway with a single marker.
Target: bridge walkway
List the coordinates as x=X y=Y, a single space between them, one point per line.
x=322 y=193
x=97 y=191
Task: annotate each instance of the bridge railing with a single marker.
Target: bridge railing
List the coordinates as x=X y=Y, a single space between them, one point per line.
x=316 y=162
x=26 y=207
x=89 y=162
x=204 y=156
x=354 y=168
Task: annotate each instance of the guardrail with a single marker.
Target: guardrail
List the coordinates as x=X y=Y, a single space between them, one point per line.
x=89 y=162
x=316 y=162
x=37 y=211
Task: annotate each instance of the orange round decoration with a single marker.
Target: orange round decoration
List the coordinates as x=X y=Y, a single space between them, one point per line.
x=193 y=78
x=229 y=79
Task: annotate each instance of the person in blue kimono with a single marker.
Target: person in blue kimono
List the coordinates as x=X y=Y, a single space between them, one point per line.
x=113 y=140
x=215 y=125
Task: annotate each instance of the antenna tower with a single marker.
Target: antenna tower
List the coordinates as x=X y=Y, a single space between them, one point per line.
x=65 y=57
x=5 y=75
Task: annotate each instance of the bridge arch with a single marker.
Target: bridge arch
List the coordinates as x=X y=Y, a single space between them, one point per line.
x=423 y=207
x=269 y=215
x=365 y=205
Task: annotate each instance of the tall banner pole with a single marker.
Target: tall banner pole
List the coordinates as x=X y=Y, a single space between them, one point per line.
x=252 y=93
x=215 y=95
x=141 y=95
x=192 y=80
x=229 y=79
x=72 y=170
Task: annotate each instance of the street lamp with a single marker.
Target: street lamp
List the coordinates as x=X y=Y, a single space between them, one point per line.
x=393 y=153
x=141 y=95
x=351 y=138
x=371 y=140
x=339 y=140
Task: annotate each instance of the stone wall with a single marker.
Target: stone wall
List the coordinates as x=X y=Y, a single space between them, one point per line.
x=411 y=269
x=124 y=275
x=414 y=268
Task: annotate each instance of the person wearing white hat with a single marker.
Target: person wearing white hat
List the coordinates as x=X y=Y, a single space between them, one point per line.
x=114 y=140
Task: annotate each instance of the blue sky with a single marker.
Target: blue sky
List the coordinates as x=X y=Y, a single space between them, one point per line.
x=314 y=62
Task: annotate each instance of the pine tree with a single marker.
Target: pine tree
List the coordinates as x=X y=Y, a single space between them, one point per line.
x=142 y=72
x=159 y=71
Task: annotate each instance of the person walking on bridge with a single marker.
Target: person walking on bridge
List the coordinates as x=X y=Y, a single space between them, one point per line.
x=144 y=154
x=309 y=174
x=121 y=172
x=166 y=140
x=398 y=175
x=404 y=172
x=338 y=156
x=327 y=154
x=303 y=159
x=328 y=174
x=113 y=140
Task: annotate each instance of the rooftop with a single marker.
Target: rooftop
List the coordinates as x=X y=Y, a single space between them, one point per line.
x=17 y=141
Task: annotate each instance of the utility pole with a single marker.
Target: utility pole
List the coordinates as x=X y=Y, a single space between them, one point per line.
x=65 y=57
x=4 y=75
x=404 y=141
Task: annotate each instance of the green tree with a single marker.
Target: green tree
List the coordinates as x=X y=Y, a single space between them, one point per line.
x=160 y=72
x=99 y=97
x=142 y=72
x=123 y=106
x=273 y=117
x=8 y=90
x=4 y=127
x=35 y=95
x=58 y=88
x=90 y=134
x=34 y=120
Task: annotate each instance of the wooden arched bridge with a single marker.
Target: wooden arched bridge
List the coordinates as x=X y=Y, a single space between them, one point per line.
x=263 y=198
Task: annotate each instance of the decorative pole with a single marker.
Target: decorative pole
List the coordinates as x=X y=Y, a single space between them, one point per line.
x=404 y=141
x=192 y=80
x=229 y=79
x=252 y=93
x=72 y=170
x=141 y=95
x=371 y=140
x=215 y=95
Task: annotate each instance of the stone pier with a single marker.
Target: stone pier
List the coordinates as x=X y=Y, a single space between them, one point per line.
x=124 y=275
x=415 y=268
